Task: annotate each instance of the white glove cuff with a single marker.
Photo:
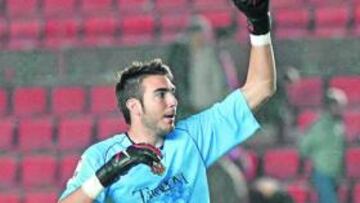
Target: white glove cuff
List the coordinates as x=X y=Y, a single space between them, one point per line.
x=260 y=40
x=92 y=187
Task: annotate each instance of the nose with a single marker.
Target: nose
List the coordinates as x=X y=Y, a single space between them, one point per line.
x=172 y=100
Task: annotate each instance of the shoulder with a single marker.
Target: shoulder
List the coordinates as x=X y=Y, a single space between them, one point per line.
x=107 y=147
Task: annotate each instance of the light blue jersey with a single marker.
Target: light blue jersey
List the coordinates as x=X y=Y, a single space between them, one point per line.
x=188 y=150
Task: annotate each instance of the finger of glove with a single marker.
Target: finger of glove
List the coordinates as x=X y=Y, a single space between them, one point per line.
x=147 y=147
x=253 y=8
x=147 y=157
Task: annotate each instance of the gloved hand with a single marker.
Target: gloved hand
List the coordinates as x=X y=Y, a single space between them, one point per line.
x=257 y=13
x=123 y=161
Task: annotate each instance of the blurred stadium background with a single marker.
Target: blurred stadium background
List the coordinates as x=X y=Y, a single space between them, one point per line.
x=58 y=60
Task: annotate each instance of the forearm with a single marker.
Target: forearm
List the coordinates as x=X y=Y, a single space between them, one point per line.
x=78 y=196
x=261 y=78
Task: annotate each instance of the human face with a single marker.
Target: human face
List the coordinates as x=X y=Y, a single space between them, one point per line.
x=159 y=104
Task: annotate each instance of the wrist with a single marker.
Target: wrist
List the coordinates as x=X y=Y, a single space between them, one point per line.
x=260 y=40
x=92 y=187
x=259 y=25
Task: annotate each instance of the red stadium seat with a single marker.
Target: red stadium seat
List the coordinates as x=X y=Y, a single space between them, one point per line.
x=356 y=193
x=68 y=100
x=75 y=133
x=219 y=18
x=29 y=100
x=352 y=126
x=299 y=192
x=108 y=126
x=38 y=171
x=356 y=26
x=35 y=134
x=103 y=100
x=205 y=4
x=96 y=7
x=137 y=29
x=281 y=163
x=100 y=31
x=332 y=21
x=323 y=3
x=352 y=162
x=3 y=102
x=287 y=4
x=134 y=6
x=307 y=92
x=8 y=172
x=21 y=8
x=172 y=6
x=61 y=32
x=292 y=23
x=350 y=85
x=343 y=191
x=3 y=30
x=40 y=196
x=306 y=118
x=56 y=8
x=10 y=197
x=173 y=24
x=67 y=165
x=24 y=34
x=7 y=130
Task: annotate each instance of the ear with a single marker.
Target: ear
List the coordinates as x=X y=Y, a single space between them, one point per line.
x=134 y=106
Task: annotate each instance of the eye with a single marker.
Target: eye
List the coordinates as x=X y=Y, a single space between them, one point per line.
x=161 y=94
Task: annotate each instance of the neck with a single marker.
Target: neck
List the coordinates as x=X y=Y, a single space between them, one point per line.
x=141 y=135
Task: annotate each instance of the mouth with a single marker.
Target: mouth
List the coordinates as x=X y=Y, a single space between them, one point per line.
x=170 y=116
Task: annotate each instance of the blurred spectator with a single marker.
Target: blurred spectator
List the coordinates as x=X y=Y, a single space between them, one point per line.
x=279 y=115
x=196 y=55
x=268 y=190
x=324 y=145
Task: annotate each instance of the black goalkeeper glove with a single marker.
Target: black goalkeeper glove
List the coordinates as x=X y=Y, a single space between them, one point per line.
x=123 y=161
x=257 y=13
x=120 y=164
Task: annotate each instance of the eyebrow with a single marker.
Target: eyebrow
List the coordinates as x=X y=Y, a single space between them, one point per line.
x=165 y=89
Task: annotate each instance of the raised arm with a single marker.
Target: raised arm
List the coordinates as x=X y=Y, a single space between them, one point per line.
x=260 y=83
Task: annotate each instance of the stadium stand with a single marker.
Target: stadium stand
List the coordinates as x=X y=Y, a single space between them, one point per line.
x=96 y=7
x=102 y=100
x=67 y=164
x=281 y=163
x=100 y=30
x=40 y=196
x=332 y=21
x=56 y=8
x=137 y=29
x=61 y=32
x=74 y=133
x=3 y=102
x=22 y=8
x=24 y=34
x=33 y=166
x=307 y=92
x=7 y=133
x=68 y=100
x=110 y=125
x=29 y=101
x=352 y=161
x=8 y=172
x=35 y=134
x=10 y=197
x=351 y=86
x=292 y=23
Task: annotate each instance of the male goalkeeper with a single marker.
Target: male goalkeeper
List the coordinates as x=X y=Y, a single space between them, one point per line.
x=156 y=161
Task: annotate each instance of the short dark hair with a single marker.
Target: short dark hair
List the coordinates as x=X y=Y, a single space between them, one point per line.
x=130 y=80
